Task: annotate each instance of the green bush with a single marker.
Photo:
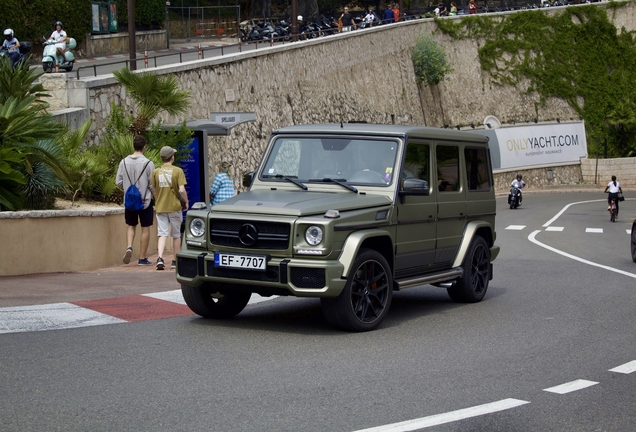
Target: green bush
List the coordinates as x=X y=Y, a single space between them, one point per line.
x=148 y=13
x=429 y=60
x=30 y=20
x=577 y=55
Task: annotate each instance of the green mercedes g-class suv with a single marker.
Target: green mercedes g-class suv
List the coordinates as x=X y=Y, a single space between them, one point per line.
x=348 y=213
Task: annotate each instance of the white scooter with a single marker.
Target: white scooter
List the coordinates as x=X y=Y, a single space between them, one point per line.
x=50 y=57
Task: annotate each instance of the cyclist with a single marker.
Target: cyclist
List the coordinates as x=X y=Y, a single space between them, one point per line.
x=614 y=188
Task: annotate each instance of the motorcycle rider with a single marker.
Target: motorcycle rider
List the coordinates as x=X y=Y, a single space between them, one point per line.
x=519 y=183
x=59 y=37
x=11 y=45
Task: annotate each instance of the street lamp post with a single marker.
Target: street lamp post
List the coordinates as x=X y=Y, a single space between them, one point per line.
x=132 y=42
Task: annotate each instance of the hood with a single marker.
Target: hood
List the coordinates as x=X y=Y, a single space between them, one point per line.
x=297 y=203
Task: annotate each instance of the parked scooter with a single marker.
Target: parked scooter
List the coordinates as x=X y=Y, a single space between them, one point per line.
x=50 y=57
x=514 y=197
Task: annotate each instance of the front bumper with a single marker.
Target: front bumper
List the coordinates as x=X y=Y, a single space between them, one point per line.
x=293 y=276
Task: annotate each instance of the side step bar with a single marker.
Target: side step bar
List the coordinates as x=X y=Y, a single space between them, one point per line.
x=444 y=276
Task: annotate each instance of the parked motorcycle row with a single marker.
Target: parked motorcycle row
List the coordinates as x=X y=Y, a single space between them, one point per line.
x=259 y=30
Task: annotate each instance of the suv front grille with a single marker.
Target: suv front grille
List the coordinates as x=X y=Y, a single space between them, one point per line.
x=250 y=234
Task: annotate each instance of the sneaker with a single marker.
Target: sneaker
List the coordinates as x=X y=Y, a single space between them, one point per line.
x=160 y=264
x=127 y=255
x=173 y=265
x=144 y=262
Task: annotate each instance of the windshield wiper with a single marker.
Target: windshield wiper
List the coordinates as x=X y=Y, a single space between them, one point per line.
x=338 y=182
x=290 y=179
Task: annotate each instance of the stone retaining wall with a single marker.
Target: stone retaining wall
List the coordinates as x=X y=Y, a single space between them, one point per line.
x=624 y=169
x=359 y=76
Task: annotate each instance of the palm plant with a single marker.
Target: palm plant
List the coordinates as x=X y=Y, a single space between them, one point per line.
x=153 y=94
x=20 y=82
x=24 y=133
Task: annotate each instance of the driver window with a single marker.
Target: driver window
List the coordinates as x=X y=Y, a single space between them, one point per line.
x=416 y=162
x=284 y=159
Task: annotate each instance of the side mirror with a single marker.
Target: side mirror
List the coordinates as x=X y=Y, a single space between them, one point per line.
x=248 y=178
x=414 y=186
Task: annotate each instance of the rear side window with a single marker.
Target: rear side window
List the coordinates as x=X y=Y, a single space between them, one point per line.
x=477 y=169
x=447 y=168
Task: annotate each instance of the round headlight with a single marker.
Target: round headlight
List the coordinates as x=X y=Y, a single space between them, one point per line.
x=197 y=227
x=313 y=235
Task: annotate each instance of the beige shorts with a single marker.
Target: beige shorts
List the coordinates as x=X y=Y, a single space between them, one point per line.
x=169 y=223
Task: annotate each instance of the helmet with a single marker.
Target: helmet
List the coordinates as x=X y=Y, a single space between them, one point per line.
x=8 y=32
x=58 y=23
x=300 y=17
x=519 y=176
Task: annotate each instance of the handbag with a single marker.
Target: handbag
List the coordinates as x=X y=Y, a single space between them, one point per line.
x=621 y=198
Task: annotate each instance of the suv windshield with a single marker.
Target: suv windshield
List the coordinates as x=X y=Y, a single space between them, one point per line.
x=310 y=160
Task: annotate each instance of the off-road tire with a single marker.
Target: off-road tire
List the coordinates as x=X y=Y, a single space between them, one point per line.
x=366 y=298
x=633 y=245
x=208 y=303
x=472 y=286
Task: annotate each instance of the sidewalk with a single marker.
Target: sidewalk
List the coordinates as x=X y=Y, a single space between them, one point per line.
x=110 y=282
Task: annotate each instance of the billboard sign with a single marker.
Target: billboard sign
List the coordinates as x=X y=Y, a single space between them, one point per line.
x=543 y=144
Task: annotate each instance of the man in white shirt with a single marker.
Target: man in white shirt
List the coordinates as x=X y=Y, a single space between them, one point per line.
x=60 y=37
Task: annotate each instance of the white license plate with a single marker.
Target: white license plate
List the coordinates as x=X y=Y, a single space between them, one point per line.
x=245 y=262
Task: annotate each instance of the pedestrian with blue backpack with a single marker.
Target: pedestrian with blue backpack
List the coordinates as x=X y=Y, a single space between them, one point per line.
x=134 y=176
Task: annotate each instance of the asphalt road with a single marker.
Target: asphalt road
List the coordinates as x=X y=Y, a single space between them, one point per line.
x=548 y=319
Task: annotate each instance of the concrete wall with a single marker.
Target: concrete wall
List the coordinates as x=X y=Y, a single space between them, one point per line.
x=54 y=241
x=116 y=43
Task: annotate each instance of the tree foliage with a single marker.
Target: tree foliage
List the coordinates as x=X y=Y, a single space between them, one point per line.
x=576 y=55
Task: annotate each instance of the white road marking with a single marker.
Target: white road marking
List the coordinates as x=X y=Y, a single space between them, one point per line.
x=594 y=230
x=516 y=227
x=532 y=238
x=571 y=386
x=438 y=419
x=174 y=296
x=548 y=223
x=626 y=368
x=51 y=317
x=551 y=228
x=629 y=232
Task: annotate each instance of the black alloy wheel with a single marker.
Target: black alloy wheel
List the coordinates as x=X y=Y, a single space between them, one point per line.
x=472 y=286
x=366 y=298
x=634 y=241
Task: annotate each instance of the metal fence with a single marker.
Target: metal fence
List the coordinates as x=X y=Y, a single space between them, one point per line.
x=190 y=23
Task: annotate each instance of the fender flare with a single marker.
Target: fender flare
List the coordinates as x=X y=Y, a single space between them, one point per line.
x=469 y=233
x=352 y=246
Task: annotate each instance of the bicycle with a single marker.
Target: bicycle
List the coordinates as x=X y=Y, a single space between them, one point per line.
x=612 y=209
